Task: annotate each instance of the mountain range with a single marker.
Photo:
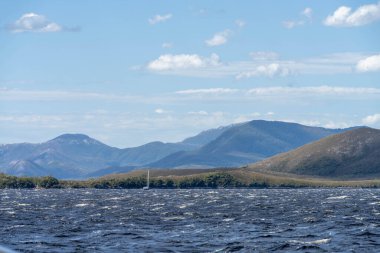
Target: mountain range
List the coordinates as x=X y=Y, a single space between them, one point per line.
x=79 y=156
x=246 y=143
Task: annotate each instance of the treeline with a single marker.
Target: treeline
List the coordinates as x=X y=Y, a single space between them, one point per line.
x=221 y=179
x=207 y=180
x=7 y=181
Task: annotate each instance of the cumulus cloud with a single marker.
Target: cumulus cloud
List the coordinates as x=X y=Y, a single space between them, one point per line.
x=270 y=70
x=219 y=38
x=372 y=119
x=182 y=61
x=369 y=64
x=159 y=18
x=344 y=16
x=32 y=22
x=211 y=91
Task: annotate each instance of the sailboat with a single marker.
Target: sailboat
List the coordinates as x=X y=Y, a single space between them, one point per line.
x=147 y=184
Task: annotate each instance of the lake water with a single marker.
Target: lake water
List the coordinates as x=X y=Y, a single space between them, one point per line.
x=197 y=220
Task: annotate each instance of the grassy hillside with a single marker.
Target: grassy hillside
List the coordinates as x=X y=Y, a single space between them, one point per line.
x=353 y=154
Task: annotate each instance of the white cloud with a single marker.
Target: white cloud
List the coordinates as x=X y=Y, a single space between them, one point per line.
x=213 y=67
x=371 y=119
x=167 y=45
x=263 y=55
x=219 y=38
x=45 y=95
x=159 y=18
x=371 y=63
x=335 y=124
x=199 y=113
x=269 y=70
x=344 y=16
x=211 y=91
x=289 y=24
x=313 y=90
x=307 y=12
x=160 y=111
x=240 y=23
x=32 y=22
x=182 y=61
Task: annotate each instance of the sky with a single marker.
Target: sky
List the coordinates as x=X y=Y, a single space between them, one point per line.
x=131 y=72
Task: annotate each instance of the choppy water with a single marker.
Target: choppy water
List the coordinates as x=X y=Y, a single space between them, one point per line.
x=202 y=220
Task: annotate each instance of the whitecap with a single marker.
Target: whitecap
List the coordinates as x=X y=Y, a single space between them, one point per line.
x=320 y=241
x=81 y=205
x=338 y=197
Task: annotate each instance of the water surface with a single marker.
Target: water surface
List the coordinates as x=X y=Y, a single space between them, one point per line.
x=197 y=220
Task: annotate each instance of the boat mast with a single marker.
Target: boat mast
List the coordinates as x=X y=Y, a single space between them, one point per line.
x=148 y=179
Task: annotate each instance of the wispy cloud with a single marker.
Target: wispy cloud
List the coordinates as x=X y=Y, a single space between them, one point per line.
x=211 y=91
x=289 y=24
x=307 y=15
x=284 y=91
x=46 y=95
x=314 y=90
x=264 y=56
x=219 y=38
x=369 y=64
x=240 y=23
x=32 y=22
x=161 y=100
x=182 y=61
x=161 y=111
x=159 y=18
x=344 y=16
x=307 y=12
x=167 y=45
x=371 y=119
x=262 y=64
x=201 y=113
x=270 y=70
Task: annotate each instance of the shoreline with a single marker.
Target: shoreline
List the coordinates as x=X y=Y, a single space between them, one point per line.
x=223 y=179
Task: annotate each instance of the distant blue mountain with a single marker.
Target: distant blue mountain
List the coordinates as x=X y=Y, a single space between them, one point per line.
x=78 y=155
x=246 y=143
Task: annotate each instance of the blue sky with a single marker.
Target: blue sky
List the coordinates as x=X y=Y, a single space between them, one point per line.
x=130 y=72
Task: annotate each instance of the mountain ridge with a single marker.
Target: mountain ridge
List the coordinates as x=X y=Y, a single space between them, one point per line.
x=81 y=155
x=246 y=143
